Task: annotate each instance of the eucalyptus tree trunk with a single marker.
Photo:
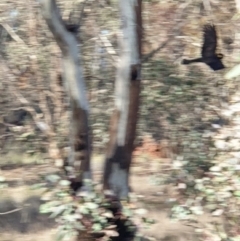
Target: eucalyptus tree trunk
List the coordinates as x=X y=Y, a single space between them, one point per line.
x=127 y=89
x=73 y=77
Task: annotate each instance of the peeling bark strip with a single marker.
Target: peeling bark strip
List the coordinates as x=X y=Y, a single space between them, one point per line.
x=127 y=90
x=73 y=77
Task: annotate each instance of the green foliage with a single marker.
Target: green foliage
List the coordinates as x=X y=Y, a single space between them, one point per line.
x=205 y=171
x=89 y=211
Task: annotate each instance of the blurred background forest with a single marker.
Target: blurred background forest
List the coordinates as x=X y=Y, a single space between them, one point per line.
x=187 y=145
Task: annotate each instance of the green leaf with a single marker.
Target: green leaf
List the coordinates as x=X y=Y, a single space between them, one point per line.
x=102 y=220
x=91 y=205
x=127 y=212
x=64 y=183
x=209 y=191
x=56 y=211
x=83 y=210
x=87 y=182
x=45 y=208
x=52 y=178
x=62 y=194
x=70 y=218
x=78 y=226
x=92 y=195
x=97 y=227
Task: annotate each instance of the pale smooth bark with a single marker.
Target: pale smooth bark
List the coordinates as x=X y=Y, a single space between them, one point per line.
x=127 y=89
x=73 y=76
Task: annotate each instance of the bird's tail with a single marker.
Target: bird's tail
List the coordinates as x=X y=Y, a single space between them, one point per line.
x=189 y=61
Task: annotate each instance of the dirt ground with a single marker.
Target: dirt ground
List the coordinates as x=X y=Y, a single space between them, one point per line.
x=19 y=203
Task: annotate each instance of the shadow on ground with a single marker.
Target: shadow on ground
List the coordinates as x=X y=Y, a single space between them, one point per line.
x=23 y=217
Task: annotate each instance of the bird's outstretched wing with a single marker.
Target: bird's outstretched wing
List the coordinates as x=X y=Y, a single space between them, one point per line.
x=216 y=65
x=209 y=41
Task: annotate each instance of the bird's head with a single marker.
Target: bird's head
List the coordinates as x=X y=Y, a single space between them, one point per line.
x=220 y=56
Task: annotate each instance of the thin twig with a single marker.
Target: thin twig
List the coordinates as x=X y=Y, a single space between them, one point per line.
x=6 y=135
x=12 y=211
x=12 y=33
